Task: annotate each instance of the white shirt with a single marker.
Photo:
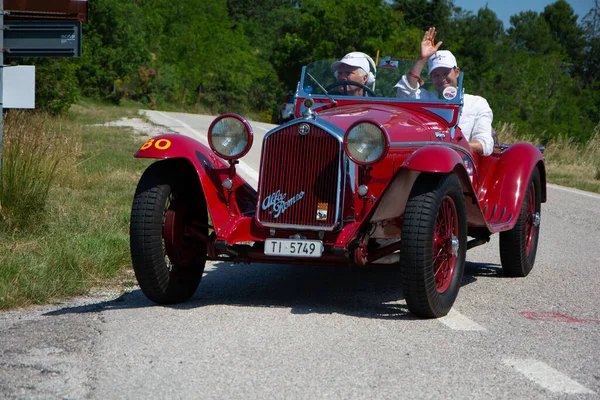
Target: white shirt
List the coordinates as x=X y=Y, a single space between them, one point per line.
x=475 y=120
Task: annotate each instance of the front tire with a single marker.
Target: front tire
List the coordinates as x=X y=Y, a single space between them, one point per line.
x=168 y=262
x=518 y=247
x=434 y=245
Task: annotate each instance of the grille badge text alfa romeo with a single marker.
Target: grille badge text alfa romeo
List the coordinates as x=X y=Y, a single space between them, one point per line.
x=278 y=204
x=303 y=129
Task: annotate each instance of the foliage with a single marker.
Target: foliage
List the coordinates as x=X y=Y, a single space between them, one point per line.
x=243 y=56
x=115 y=46
x=423 y=13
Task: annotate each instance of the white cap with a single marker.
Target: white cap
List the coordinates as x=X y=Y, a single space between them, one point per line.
x=442 y=58
x=354 y=59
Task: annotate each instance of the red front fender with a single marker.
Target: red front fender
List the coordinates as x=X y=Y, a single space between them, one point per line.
x=433 y=159
x=223 y=206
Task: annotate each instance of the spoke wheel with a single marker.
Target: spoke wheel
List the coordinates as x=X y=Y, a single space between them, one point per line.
x=444 y=244
x=433 y=247
x=167 y=260
x=518 y=246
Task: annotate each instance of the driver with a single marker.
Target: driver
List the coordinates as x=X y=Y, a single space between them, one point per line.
x=476 y=117
x=354 y=67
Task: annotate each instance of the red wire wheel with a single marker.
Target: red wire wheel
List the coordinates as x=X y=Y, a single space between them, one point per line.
x=518 y=246
x=434 y=245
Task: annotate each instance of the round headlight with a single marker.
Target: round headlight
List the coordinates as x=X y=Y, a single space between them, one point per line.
x=366 y=142
x=230 y=136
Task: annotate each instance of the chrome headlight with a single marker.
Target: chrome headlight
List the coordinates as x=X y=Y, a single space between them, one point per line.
x=366 y=142
x=230 y=136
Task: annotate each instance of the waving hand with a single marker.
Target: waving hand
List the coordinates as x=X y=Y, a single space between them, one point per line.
x=428 y=46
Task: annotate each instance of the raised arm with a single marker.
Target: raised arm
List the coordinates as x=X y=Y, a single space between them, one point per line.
x=428 y=48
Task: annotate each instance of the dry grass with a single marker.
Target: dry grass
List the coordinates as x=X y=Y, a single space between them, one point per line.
x=35 y=153
x=70 y=233
x=567 y=163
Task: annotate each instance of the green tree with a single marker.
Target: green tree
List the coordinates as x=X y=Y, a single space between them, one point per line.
x=56 y=86
x=332 y=28
x=531 y=32
x=114 y=48
x=209 y=50
x=423 y=14
x=326 y=28
x=264 y=22
x=588 y=71
x=479 y=39
x=562 y=23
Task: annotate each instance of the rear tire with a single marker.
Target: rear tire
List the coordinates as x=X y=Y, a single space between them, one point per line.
x=167 y=261
x=518 y=247
x=434 y=245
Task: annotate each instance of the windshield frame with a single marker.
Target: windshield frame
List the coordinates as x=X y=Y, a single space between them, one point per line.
x=315 y=87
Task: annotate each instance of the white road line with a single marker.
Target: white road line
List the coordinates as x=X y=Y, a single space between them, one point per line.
x=458 y=322
x=248 y=170
x=575 y=191
x=198 y=135
x=547 y=377
x=263 y=128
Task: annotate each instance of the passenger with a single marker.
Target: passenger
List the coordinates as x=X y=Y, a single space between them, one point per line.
x=355 y=66
x=476 y=118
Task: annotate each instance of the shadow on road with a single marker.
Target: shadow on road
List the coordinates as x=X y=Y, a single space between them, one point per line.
x=369 y=292
x=474 y=270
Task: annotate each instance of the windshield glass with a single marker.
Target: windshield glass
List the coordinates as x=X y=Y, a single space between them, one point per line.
x=318 y=80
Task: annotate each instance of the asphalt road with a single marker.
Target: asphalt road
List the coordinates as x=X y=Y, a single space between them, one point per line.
x=294 y=332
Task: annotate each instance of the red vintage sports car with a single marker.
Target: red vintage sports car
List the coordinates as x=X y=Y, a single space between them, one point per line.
x=352 y=180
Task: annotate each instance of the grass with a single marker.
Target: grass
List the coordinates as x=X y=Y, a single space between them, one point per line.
x=80 y=238
x=567 y=163
x=74 y=236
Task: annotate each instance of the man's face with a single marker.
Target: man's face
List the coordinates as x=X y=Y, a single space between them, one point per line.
x=349 y=73
x=444 y=77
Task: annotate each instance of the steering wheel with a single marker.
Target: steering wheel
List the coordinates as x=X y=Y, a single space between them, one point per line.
x=345 y=84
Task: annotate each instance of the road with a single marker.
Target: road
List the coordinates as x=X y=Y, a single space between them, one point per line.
x=294 y=332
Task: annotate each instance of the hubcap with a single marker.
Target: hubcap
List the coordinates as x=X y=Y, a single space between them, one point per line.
x=533 y=219
x=455 y=244
x=536 y=219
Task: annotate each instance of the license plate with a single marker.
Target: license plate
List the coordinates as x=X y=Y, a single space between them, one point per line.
x=293 y=247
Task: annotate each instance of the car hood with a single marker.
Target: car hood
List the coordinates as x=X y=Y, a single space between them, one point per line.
x=401 y=123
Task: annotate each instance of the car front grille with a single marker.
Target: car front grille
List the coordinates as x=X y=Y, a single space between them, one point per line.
x=300 y=179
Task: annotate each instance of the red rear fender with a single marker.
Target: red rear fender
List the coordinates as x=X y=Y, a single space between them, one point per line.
x=503 y=191
x=223 y=206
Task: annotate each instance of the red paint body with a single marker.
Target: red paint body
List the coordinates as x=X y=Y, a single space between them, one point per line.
x=352 y=180
x=495 y=192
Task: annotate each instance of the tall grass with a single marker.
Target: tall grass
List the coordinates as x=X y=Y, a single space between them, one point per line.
x=77 y=236
x=568 y=163
x=33 y=150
